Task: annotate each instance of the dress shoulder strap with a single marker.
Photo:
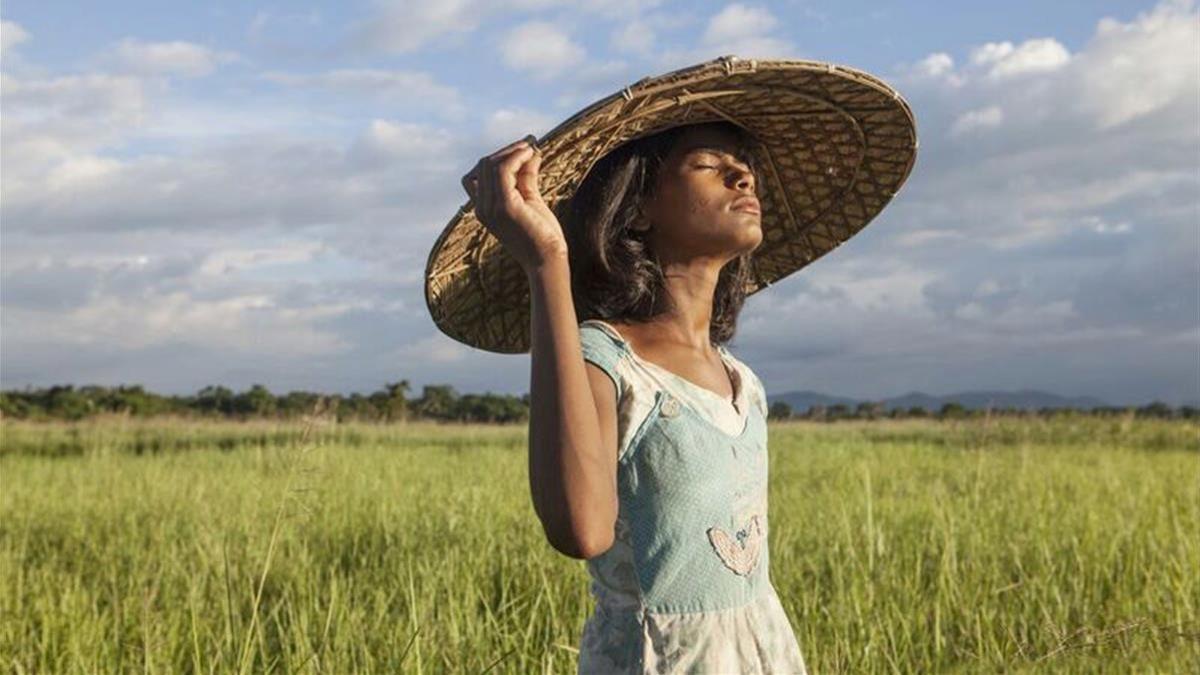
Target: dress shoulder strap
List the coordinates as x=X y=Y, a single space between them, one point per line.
x=602 y=347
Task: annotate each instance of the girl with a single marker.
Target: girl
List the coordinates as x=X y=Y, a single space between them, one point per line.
x=648 y=455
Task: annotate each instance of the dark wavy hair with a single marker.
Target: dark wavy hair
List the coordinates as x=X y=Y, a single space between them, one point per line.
x=615 y=274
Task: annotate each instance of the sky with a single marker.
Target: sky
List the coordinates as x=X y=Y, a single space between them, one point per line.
x=238 y=193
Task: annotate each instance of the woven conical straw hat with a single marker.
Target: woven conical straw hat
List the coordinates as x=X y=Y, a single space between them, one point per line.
x=834 y=144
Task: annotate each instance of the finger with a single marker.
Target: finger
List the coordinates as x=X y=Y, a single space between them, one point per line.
x=528 y=178
x=509 y=148
x=506 y=175
x=499 y=158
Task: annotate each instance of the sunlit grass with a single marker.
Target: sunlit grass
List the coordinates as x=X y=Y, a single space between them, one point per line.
x=895 y=546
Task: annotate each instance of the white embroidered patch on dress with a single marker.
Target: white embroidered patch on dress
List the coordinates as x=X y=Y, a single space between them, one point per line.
x=740 y=554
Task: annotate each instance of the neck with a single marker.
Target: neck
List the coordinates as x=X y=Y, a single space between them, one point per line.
x=691 y=287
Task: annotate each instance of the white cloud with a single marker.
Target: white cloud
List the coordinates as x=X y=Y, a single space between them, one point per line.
x=590 y=82
x=264 y=19
x=995 y=61
x=415 y=89
x=1133 y=69
x=436 y=348
x=617 y=9
x=11 y=35
x=402 y=26
x=153 y=238
x=990 y=52
x=1127 y=70
x=740 y=30
x=1069 y=226
x=744 y=31
x=81 y=172
x=1032 y=56
x=233 y=260
x=938 y=66
x=393 y=170
x=169 y=58
x=540 y=49
x=47 y=120
x=506 y=125
x=242 y=323
x=386 y=142
x=934 y=65
x=398 y=26
x=738 y=22
x=634 y=37
x=973 y=120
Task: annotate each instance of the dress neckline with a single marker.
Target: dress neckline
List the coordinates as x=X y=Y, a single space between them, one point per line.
x=735 y=377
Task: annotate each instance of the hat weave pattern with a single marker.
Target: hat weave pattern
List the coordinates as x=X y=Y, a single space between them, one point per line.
x=834 y=146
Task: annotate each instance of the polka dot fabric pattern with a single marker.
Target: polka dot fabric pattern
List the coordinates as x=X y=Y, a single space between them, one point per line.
x=685 y=587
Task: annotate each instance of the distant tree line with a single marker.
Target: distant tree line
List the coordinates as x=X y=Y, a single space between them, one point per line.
x=870 y=410
x=439 y=402
x=389 y=404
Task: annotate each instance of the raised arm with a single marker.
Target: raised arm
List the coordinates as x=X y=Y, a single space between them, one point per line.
x=572 y=424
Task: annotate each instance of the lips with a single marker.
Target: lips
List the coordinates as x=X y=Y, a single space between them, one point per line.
x=745 y=204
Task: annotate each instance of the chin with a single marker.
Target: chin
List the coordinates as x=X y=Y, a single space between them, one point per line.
x=748 y=242
x=753 y=233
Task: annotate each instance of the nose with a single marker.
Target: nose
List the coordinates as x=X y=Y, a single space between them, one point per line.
x=743 y=179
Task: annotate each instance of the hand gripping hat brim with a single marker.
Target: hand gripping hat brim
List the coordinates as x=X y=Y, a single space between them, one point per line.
x=834 y=143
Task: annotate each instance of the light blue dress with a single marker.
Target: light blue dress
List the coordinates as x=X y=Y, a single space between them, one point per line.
x=685 y=586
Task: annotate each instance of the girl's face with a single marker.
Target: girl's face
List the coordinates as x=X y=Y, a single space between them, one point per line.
x=704 y=203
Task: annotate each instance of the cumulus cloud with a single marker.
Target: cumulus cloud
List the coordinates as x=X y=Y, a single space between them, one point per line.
x=257 y=182
x=400 y=26
x=506 y=125
x=541 y=49
x=636 y=37
x=1032 y=56
x=1045 y=239
x=11 y=35
x=936 y=64
x=136 y=302
x=387 y=142
x=414 y=88
x=742 y=30
x=618 y=9
x=972 y=120
x=397 y=26
x=1054 y=206
x=57 y=119
x=738 y=22
x=1133 y=69
x=168 y=58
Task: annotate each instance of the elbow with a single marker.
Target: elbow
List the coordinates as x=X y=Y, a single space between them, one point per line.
x=594 y=547
x=579 y=546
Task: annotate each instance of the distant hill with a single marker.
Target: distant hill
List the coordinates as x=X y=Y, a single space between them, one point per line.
x=1031 y=399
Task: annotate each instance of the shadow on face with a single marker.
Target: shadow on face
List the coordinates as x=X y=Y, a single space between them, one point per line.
x=704 y=202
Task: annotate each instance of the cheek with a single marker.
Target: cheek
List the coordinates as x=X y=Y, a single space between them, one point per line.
x=689 y=204
x=697 y=196
x=702 y=205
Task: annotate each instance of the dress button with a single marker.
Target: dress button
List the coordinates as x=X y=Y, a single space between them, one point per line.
x=670 y=407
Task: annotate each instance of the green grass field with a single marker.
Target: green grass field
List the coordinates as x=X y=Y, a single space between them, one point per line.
x=918 y=546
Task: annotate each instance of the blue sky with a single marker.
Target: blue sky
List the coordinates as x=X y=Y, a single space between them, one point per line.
x=247 y=192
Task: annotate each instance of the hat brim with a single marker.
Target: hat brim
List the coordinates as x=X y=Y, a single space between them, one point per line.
x=835 y=144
